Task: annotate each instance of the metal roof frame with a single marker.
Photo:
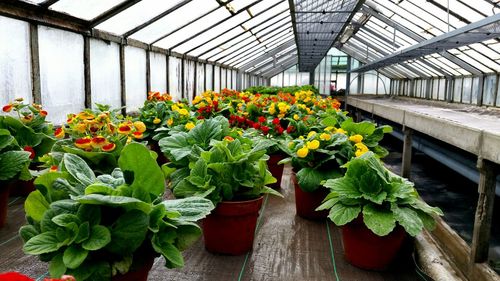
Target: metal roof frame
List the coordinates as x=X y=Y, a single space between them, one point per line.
x=267 y=55
x=279 y=69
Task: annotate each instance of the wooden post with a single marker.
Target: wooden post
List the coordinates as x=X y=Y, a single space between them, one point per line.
x=35 y=65
x=484 y=211
x=407 y=147
x=148 y=72
x=86 y=72
x=168 y=69
x=122 y=79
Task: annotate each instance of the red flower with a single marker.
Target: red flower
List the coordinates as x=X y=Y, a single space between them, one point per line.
x=276 y=121
x=98 y=141
x=290 y=129
x=241 y=119
x=262 y=119
x=109 y=147
x=256 y=126
x=59 y=133
x=53 y=168
x=280 y=129
x=31 y=150
x=83 y=143
x=14 y=276
x=265 y=129
x=229 y=138
x=7 y=108
x=43 y=113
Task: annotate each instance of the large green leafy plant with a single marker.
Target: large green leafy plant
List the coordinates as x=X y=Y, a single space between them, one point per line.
x=381 y=197
x=96 y=227
x=206 y=162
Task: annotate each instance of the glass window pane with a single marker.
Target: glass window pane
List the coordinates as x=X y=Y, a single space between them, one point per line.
x=85 y=9
x=174 y=77
x=208 y=76
x=490 y=89
x=189 y=79
x=136 y=15
x=467 y=90
x=158 y=64
x=217 y=79
x=223 y=78
x=61 y=70
x=15 y=64
x=193 y=28
x=105 y=73
x=135 y=77
x=200 y=78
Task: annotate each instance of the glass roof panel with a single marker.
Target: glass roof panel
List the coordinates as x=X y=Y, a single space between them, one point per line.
x=136 y=15
x=176 y=19
x=264 y=6
x=267 y=46
x=205 y=42
x=193 y=28
x=85 y=9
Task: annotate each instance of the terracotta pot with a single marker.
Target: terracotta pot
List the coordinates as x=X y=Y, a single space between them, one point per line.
x=230 y=228
x=364 y=249
x=137 y=274
x=22 y=188
x=4 y=202
x=276 y=169
x=307 y=202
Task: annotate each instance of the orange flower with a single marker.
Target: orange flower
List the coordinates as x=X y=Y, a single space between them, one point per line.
x=43 y=113
x=83 y=143
x=53 y=169
x=108 y=147
x=140 y=126
x=27 y=118
x=124 y=129
x=71 y=118
x=85 y=115
x=59 y=133
x=229 y=138
x=138 y=135
x=98 y=142
x=7 y=108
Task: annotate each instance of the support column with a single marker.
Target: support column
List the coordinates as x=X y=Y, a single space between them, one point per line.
x=122 y=79
x=148 y=72
x=407 y=150
x=86 y=71
x=35 y=65
x=484 y=211
x=311 y=78
x=348 y=81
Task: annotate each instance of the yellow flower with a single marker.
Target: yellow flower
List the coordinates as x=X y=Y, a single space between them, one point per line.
x=356 y=138
x=314 y=144
x=340 y=131
x=360 y=149
x=170 y=122
x=197 y=99
x=175 y=107
x=325 y=137
x=140 y=126
x=156 y=120
x=301 y=137
x=272 y=110
x=329 y=128
x=189 y=126
x=311 y=134
x=302 y=153
x=183 y=111
x=81 y=127
x=296 y=117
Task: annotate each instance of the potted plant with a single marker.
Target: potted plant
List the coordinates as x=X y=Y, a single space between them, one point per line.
x=111 y=226
x=376 y=209
x=98 y=136
x=207 y=162
x=332 y=141
x=26 y=123
x=14 y=162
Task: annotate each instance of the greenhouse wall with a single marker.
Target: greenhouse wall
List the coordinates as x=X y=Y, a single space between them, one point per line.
x=42 y=64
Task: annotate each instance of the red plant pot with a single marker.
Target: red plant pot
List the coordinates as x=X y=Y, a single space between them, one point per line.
x=230 y=228
x=365 y=249
x=307 y=202
x=276 y=169
x=138 y=274
x=4 y=203
x=22 y=188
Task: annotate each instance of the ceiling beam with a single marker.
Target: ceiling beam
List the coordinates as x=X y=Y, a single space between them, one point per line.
x=279 y=60
x=267 y=55
x=112 y=12
x=280 y=68
x=47 y=4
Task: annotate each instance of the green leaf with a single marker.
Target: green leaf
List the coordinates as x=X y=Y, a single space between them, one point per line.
x=90 y=214
x=83 y=232
x=12 y=162
x=56 y=266
x=46 y=242
x=364 y=128
x=341 y=214
x=128 y=232
x=78 y=168
x=117 y=201
x=209 y=130
x=176 y=147
x=345 y=187
x=45 y=183
x=428 y=221
x=309 y=179
x=379 y=220
x=100 y=188
x=74 y=256
x=187 y=235
x=6 y=138
x=408 y=218
x=27 y=232
x=99 y=238
x=191 y=208
x=329 y=121
x=66 y=219
x=36 y=205
x=148 y=176
x=173 y=257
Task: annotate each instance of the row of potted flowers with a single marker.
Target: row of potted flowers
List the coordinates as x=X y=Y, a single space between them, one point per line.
x=101 y=178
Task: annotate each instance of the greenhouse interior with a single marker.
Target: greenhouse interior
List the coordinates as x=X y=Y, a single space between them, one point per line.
x=309 y=140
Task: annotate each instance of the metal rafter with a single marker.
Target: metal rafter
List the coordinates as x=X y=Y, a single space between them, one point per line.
x=282 y=68
x=47 y=4
x=272 y=66
x=275 y=42
x=155 y=19
x=112 y=12
x=279 y=59
x=267 y=55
